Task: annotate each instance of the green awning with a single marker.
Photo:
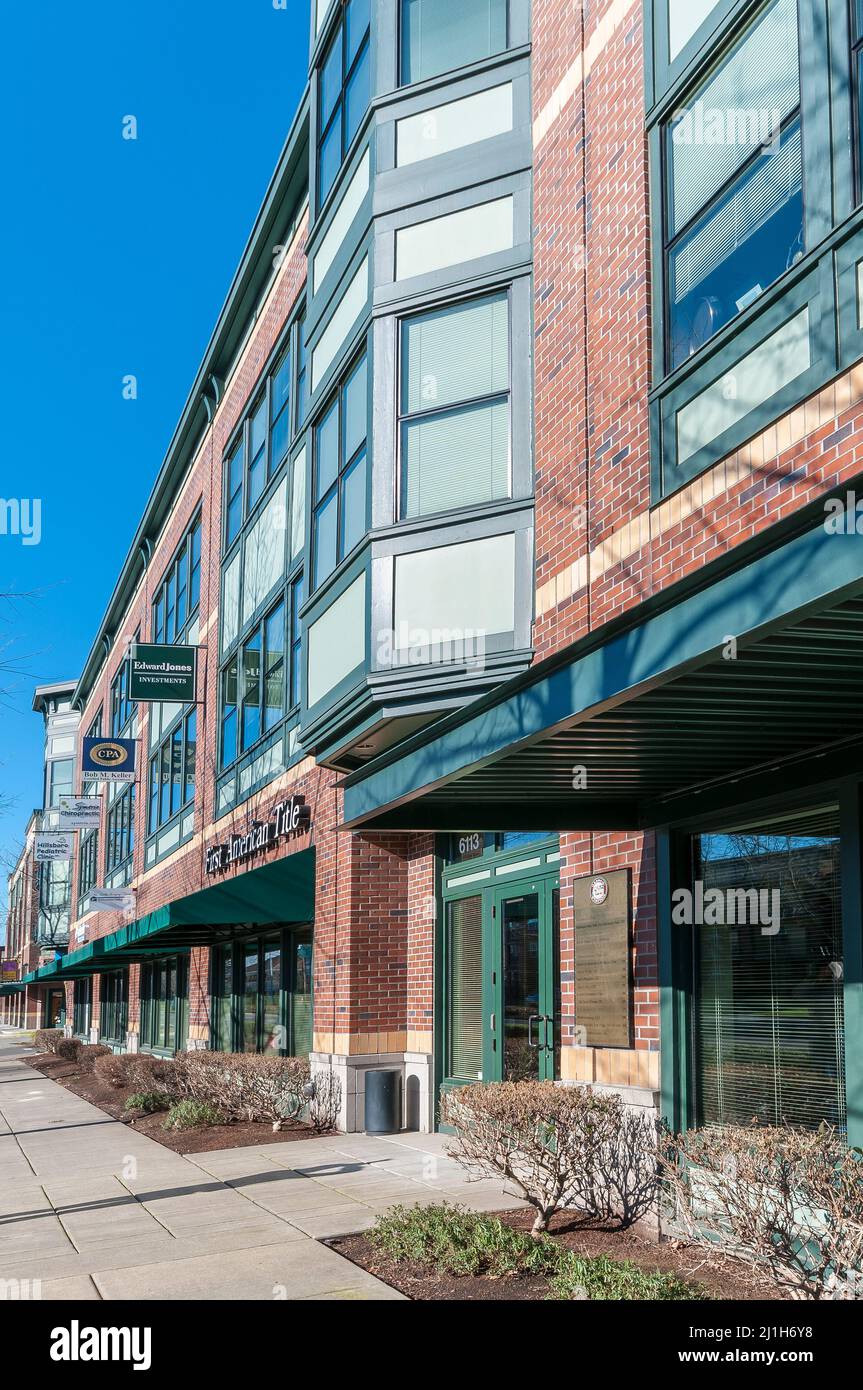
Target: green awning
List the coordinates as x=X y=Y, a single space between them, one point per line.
x=752 y=665
x=281 y=892
x=6 y=990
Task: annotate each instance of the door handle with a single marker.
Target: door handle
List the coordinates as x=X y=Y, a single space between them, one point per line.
x=492 y=1022
x=547 y=1019
x=534 y=1018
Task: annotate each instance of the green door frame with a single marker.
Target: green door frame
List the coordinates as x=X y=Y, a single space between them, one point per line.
x=540 y=1036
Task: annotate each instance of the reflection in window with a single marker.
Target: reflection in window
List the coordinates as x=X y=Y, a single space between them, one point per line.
x=343 y=92
x=438 y=36
x=735 y=184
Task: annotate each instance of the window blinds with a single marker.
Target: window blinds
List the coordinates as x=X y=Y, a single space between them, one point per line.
x=464 y=939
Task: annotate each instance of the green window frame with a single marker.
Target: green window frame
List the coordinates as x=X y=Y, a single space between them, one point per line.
x=343 y=91
x=177 y=600
x=164 y=1019
x=261 y=992
x=857 y=92
x=120 y=830
x=88 y=840
x=82 y=1001
x=340 y=472
x=113 y=1006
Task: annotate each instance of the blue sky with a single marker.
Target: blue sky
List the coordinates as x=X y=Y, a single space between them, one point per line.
x=117 y=256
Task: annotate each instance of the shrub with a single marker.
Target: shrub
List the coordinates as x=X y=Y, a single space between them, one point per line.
x=91 y=1053
x=115 y=1069
x=148 y=1101
x=453 y=1241
x=325 y=1101
x=788 y=1201
x=46 y=1039
x=138 y=1070
x=188 y=1114
x=559 y=1145
x=244 y=1085
x=70 y=1049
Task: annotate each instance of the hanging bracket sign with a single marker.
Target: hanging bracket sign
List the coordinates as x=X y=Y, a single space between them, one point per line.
x=52 y=848
x=108 y=759
x=163 y=673
x=79 y=812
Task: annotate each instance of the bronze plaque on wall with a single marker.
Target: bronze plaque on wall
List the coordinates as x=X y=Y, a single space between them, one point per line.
x=603 y=918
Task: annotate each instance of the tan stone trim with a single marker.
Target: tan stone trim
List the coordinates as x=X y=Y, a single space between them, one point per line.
x=362 y=1044
x=610 y=1066
x=765 y=449
x=580 y=68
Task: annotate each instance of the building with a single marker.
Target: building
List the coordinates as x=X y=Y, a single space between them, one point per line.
x=513 y=513
x=40 y=895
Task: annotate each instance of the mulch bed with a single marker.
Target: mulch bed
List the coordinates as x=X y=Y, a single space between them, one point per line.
x=722 y=1278
x=237 y=1134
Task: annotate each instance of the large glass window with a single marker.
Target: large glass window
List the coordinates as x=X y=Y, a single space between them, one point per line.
x=734 y=195
x=857 y=82
x=261 y=681
x=438 y=36
x=340 y=473
x=173 y=771
x=262 y=994
x=164 y=1004
x=768 y=973
x=464 y=989
x=82 y=995
x=60 y=776
x=120 y=828
x=113 y=1006
x=343 y=91
x=455 y=403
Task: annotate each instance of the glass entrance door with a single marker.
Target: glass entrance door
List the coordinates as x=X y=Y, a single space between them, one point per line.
x=524 y=1023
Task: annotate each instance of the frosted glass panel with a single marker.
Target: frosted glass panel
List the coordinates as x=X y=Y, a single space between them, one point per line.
x=457 y=237
x=352 y=304
x=450 y=127
x=265 y=551
x=455 y=354
x=758 y=376
x=298 y=503
x=457 y=589
x=231 y=602
x=456 y=459
x=337 y=641
x=340 y=225
x=685 y=17
x=437 y=37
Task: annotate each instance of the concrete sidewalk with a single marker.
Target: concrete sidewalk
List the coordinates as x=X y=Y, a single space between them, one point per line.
x=95 y=1210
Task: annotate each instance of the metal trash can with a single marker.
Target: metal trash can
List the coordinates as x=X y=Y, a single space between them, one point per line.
x=383 y=1110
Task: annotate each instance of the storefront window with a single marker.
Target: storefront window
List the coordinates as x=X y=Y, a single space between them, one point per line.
x=81 y=1003
x=768 y=973
x=262 y=994
x=113 y=1005
x=164 y=1004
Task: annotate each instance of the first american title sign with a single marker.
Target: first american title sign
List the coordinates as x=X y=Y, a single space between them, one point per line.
x=289 y=817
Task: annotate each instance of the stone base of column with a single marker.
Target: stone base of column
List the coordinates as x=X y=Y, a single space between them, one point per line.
x=351 y=1069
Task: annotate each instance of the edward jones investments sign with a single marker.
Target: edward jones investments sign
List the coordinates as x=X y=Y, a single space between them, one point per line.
x=290 y=817
x=163 y=673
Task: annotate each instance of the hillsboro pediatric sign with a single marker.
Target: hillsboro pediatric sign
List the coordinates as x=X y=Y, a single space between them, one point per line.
x=289 y=817
x=163 y=673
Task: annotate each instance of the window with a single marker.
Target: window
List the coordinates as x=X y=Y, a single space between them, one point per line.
x=120 y=828
x=734 y=194
x=173 y=770
x=261 y=682
x=60 y=778
x=455 y=407
x=113 y=1006
x=768 y=995
x=857 y=79
x=81 y=1006
x=464 y=1033
x=122 y=708
x=438 y=36
x=343 y=91
x=178 y=596
x=262 y=994
x=340 y=474
x=164 y=1004
x=262 y=442
x=88 y=865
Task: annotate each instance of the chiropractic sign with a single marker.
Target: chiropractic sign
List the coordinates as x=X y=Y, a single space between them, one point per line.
x=289 y=817
x=163 y=673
